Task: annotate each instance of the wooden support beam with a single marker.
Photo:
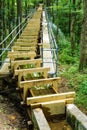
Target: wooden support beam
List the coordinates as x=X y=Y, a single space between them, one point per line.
x=48 y=98
x=30 y=33
x=19 y=48
x=30 y=29
x=33 y=70
x=29 y=37
x=25 y=44
x=23 y=72
x=17 y=64
x=16 y=55
x=52 y=108
x=39 y=120
x=39 y=82
x=26 y=85
x=31 y=26
x=27 y=40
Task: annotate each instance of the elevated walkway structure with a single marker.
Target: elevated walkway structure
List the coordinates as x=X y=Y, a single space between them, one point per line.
x=39 y=92
x=50 y=49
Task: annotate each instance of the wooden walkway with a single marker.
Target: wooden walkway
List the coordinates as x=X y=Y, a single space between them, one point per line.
x=39 y=92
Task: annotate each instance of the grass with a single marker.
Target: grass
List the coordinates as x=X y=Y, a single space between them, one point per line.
x=78 y=82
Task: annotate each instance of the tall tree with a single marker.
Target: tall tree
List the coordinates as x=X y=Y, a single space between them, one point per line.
x=8 y=16
x=13 y=13
x=1 y=27
x=83 y=44
x=73 y=23
x=19 y=11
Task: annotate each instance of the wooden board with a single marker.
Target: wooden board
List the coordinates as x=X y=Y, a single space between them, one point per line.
x=16 y=64
x=15 y=55
x=30 y=29
x=30 y=33
x=26 y=44
x=39 y=120
x=39 y=82
x=24 y=72
x=53 y=97
x=52 y=108
x=26 y=85
x=27 y=40
x=19 y=48
x=33 y=70
x=28 y=37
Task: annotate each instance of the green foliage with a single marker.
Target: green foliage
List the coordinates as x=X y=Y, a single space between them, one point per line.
x=77 y=82
x=65 y=56
x=81 y=96
x=83 y=87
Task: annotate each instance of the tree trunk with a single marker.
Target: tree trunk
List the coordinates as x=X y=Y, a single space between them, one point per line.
x=83 y=43
x=73 y=22
x=26 y=8
x=1 y=27
x=69 y=17
x=8 y=15
x=13 y=13
x=19 y=13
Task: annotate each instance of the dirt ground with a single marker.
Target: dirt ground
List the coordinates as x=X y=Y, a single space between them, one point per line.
x=12 y=114
x=10 y=117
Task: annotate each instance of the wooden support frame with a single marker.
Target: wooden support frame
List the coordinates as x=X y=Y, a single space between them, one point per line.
x=35 y=26
x=27 y=40
x=30 y=29
x=52 y=108
x=19 y=48
x=26 y=44
x=30 y=33
x=23 y=72
x=26 y=85
x=16 y=64
x=68 y=97
x=29 y=37
x=33 y=70
x=15 y=55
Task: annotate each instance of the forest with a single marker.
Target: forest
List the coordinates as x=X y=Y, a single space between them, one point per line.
x=68 y=19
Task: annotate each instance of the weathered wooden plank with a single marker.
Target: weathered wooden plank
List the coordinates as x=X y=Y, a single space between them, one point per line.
x=28 y=37
x=30 y=29
x=39 y=82
x=19 y=48
x=15 y=55
x=53 y=107
x=24 y=72
x=26 y=44
x=30 y=33
x=26 y=85
x=67 y=101
x=48 y=98
x=35 y=26
x=27 y=40
x=16 y=64
x=32 y=70
x=39 y=120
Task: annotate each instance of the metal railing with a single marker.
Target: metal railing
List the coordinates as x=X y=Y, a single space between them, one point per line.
x=53 y=44
x=7 y=43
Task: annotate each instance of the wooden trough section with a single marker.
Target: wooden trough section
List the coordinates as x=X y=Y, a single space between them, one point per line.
x=39 y=93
